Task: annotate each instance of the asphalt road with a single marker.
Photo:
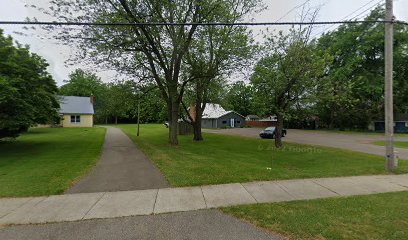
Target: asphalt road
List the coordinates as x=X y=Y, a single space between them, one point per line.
x=197 y=225
x=121 y=167
x=354 y=141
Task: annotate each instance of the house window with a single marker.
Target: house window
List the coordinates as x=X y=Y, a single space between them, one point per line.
x=224 y=122
x=75 y=119
x=238 y=121
x=394 y=124
x=406 y=124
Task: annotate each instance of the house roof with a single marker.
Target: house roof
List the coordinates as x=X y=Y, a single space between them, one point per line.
x=213 y=111
x=74 y=104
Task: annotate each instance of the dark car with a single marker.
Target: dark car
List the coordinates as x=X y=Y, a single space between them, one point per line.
x=269 y=132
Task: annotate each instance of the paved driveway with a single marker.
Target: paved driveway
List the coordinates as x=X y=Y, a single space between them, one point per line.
x=355 y=142
x=196 y=225
x=121 y=167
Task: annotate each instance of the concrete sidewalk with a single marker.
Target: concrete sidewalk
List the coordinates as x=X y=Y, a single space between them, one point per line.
x=73 y=207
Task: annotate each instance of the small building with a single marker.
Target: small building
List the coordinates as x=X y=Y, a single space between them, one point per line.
x=400 y=124
x=214 y=116
x=76 y=111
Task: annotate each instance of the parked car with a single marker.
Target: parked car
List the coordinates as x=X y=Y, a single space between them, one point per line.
x=269 y=132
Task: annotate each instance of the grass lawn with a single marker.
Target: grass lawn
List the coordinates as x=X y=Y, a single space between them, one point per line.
x=380 y=216
x=46 y=161
x=228 y=159
x=397 y=144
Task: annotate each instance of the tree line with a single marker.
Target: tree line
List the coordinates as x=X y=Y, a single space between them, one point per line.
x=116 y=100
x=337 y=77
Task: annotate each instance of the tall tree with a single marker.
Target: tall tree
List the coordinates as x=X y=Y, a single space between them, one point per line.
x=27 y=90
x=286 y=76
x=240 y=98
x=158 y=49
x=120 y=99
x=213 y=55
x=82 y=83
x=351 y=94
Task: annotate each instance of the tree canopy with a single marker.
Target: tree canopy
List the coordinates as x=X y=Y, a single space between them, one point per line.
x=159 y=50
x=351 y=94
x=27 y=90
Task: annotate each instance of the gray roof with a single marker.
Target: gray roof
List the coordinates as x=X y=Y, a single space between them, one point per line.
x=74 y=104
x=214 y=111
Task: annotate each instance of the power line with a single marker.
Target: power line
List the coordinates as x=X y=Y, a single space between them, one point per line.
x=291 y=10
x=360 y=8
x=369 y=8
x=194 y=24
x=377 y=4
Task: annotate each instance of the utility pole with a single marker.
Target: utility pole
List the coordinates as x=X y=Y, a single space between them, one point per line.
x=390 y=162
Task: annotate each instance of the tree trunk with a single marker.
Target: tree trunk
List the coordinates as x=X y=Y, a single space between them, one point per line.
x=116 y=119
x=173 y=112
x=198 y=136
x=278 y=130
x=106 y=120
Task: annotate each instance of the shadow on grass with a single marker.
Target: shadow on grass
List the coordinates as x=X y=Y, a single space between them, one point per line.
x=8 y=149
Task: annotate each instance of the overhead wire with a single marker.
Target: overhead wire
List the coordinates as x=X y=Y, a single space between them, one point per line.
x=101 y=24
x=344 y=18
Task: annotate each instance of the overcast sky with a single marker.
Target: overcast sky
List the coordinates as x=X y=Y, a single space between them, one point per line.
x=56 y=53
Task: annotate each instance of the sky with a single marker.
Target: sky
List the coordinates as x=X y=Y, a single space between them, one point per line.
x=57 y=53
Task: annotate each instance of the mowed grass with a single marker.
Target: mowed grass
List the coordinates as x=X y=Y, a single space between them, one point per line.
x=228 y=159
x=397 y=144
x=47 y=161
x=381 y=216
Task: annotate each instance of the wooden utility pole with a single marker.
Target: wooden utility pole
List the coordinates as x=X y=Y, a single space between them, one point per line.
x=390 y=162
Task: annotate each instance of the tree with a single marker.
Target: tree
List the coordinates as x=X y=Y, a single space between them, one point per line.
x=27 y=90
x=119 y=99
x=152 y=108
x=214 y=53
x=286 y=76
x=351 y=94
x=240 y=98
x=157 y=49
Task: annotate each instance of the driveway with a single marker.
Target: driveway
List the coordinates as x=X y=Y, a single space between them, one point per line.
x=121 y=167
x=204 y=224
x=354 y=141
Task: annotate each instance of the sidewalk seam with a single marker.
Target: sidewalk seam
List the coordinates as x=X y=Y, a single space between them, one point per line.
x=93 y=205
x=15 y=209
x=314 y=181
x=249 y=193
x=205 y=201
x=155 y=200
x=286 y=191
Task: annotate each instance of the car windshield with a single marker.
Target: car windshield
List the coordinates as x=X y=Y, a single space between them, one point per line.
x=270 y=129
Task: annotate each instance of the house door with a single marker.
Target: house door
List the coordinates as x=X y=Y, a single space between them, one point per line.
x=232 y=121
